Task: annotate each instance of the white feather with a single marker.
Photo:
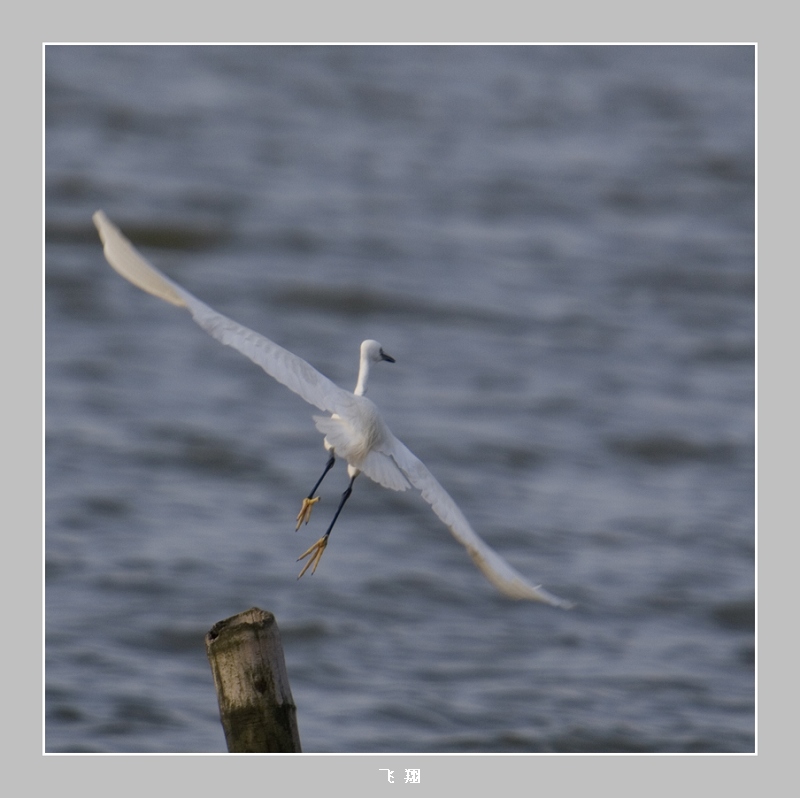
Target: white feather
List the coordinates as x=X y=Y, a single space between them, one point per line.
x=355 y=431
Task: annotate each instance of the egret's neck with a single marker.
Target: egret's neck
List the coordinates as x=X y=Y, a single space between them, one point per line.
x=363 y=373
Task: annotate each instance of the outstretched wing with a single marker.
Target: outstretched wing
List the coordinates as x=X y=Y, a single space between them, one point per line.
x=505 y=578
x=285 y=367
x=318 y=390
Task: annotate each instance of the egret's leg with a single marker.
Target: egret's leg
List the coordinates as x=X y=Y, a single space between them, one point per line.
x=308 y=503
x=314 y=553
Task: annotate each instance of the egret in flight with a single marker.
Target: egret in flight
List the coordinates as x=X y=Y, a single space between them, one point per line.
x=353 y=428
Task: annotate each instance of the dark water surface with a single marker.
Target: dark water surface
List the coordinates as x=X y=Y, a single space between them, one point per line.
x=557 y=246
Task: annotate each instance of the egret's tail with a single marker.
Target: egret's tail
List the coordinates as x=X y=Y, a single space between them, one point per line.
x=132 y=266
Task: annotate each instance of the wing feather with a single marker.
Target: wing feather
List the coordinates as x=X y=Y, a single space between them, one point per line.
x=502 y=575
x=287 y=368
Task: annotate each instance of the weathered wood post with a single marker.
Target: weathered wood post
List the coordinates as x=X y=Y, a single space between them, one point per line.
x=255 y=703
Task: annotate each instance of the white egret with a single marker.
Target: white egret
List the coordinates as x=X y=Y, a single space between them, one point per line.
x=353 y=430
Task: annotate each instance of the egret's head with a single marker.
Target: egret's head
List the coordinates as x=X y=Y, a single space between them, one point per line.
x=373 y=352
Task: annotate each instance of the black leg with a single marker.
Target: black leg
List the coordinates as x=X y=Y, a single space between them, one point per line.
x=308 y=503
x=314 y=553
x=345 y=497
x=328 y=466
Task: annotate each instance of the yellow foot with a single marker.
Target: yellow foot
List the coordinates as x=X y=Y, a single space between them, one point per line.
x=315 y=552
x=305 y=512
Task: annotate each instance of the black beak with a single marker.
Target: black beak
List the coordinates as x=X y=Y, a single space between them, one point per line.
x=386 y=357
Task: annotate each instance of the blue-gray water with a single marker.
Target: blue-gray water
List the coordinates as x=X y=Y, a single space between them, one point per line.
x=557 y=246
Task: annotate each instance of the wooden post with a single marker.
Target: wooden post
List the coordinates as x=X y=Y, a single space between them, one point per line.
x=255 y=703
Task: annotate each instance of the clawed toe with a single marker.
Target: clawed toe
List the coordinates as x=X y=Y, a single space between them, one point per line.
x=315 y=553
x=304 y=515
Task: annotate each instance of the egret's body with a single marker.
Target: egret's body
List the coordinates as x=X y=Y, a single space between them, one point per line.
x=354 y=429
